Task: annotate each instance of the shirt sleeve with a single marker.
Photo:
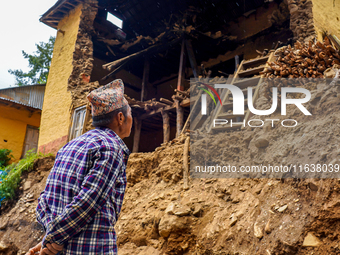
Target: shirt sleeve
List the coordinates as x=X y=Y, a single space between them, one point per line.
x=42 y=216
x=90 y=200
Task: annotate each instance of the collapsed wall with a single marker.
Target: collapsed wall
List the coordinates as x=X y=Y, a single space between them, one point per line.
x=79 y=81
x=301 y=20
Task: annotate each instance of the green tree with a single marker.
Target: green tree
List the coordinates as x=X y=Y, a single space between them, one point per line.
x=39 y=64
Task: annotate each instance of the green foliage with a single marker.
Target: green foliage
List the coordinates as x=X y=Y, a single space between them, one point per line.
x=12 y=176
x=5 y=157
x=39 y=63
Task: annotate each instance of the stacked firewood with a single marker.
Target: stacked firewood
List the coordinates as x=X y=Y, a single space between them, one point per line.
x=304 y=60
x=299 y=65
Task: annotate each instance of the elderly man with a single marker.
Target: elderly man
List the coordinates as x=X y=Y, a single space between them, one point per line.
x=85 y=188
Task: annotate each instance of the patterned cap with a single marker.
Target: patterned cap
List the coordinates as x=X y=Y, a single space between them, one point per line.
x=107 y=98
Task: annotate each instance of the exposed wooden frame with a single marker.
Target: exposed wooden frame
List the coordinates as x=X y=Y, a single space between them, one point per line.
x=145 y=80
x=181 y=67
x=136 y=137
x=179 y=119
x=166 y=127
x=192 y=58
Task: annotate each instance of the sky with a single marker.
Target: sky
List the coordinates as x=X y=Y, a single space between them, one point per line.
x=20 y=29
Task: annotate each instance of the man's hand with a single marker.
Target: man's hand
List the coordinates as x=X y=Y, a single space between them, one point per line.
x=35 y=249
x=51 y=249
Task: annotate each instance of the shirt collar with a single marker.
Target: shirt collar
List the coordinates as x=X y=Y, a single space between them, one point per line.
x=121 y=142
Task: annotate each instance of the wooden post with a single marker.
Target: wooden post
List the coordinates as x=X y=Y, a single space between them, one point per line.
x=145 y=77
x=166 y=127
x=181 y=67
x=237 y=62
x=180 y=115
x=186 y=163
x=136 y=137
x=192 y=58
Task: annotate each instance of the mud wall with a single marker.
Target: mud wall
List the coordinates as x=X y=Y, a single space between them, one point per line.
x=79 y=81
x=326 y=14
x=13 y=123
x=55 y=119
x=301 y=19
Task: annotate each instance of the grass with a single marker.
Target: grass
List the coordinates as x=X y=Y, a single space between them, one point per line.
x=11 y=175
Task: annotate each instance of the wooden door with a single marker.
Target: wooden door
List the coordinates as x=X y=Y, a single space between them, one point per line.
x=31 y=140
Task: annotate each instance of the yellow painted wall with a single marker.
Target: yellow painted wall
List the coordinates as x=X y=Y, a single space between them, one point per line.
x=55 y=119
x=13 y=123
x=326 y=14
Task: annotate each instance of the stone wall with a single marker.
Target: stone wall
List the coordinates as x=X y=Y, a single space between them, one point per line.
x=301 y=20
x=79 y=81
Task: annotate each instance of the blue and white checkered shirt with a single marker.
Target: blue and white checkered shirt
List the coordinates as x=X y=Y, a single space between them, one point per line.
x=84 y=194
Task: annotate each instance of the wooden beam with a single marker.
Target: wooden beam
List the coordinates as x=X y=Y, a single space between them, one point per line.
x=181 y=67
x=136 y=137
x=145 y=77
x=164 y=100
x=113 y=72
x=186 y=164
x=192 y=58
x=179 y=119
x=186 y=102
x=166 y=127
x=150 y=114
x=184 y=93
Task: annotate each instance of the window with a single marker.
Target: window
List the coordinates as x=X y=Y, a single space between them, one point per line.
x=78 y=122
x=114 y=20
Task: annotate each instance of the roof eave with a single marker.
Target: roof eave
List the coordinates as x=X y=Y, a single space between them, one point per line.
x=48 y=19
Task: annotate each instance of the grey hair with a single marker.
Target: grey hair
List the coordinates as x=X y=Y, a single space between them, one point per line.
x=105 y=119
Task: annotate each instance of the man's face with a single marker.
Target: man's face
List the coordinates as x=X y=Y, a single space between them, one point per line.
x=127 y=124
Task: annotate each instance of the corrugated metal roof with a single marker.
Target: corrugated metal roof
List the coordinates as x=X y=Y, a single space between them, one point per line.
x=32 y=95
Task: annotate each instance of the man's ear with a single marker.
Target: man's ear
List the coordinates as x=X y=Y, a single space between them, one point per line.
x=120 y=117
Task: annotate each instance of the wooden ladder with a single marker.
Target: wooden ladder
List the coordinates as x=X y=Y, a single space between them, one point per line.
x=243 y=78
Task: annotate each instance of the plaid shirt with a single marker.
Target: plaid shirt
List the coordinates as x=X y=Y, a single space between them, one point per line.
x=84 y=194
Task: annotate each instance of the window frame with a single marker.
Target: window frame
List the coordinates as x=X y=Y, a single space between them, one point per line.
x=80 y=127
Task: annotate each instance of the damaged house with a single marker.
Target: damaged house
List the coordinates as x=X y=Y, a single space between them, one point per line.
x=156 y=49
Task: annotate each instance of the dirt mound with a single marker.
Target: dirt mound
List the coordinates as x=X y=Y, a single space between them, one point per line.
x=19 y=229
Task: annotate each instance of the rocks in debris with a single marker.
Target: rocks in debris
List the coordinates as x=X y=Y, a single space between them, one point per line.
x=3 y=246
x=258 y=231
x=282 y=208
x=233 y=221
x=313 y=186
x=3 y=223
x=170 y=209
x=171 y=224
x=198 y=210
x=329 y=73
x=182 y=211
x=261 y=142
x=267 y=228
x=178 y=210
x=311 y=240
x=27 y=185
